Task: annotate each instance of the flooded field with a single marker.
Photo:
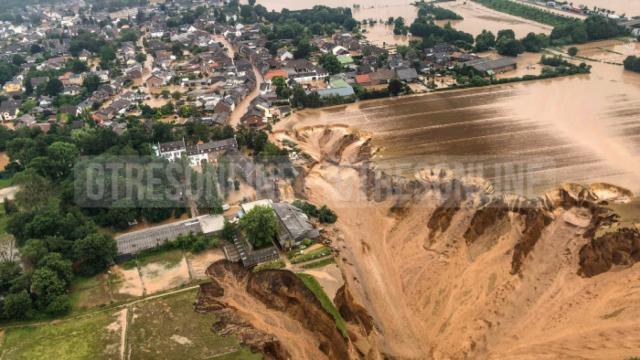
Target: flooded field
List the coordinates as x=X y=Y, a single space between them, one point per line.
x=583 y=128
x=478 y=18
x=628 y=7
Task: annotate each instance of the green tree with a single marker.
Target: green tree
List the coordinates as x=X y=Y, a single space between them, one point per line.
x=485 y=41
x=17 y=305
x=229 y=230
x=91 y=83
x=61 y=266
x=59 y=305
x=54 y=87
x=509 y=47
x=303 y=49
x=506 y=34
x=77 y=67
x=46 y=286
x=534 y=43
x=395 y=87
x=9 y=270
x=573 y=51
x=33 y=250
x=326 y=215
x=330 y=63
x=94 y=252
x=259 y=226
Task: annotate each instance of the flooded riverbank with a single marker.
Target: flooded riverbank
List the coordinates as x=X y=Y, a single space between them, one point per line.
x=583 y=128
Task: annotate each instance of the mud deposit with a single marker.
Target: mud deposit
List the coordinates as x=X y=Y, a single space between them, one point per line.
x=271 y=312
x=466 y=274
x=524 y=138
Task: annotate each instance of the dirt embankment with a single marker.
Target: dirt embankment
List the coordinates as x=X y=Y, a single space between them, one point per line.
x=471 y=274
x=271 y=312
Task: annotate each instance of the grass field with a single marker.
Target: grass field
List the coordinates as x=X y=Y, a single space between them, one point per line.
x=319 y=263
x=327 y=304
x=4 y=183
x=169 y=328
x=82 y=338
x=168 y=258
x=311 y=255
x=89 y=292
x=163 y=328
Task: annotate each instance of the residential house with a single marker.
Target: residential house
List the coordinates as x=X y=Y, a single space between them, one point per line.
x=294 y=225
x=493 y=66
x=10 y=109
x=407 y=75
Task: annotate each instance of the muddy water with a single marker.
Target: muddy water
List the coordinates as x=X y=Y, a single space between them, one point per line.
x=478 y=18
x=584 y=128
x=628 y=7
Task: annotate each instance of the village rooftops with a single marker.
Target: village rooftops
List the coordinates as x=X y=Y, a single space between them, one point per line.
x=171 y=146
x=212 y=146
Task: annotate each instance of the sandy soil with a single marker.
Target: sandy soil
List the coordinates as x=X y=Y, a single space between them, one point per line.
x=441 y=298
x=329 y=277
x=9 y=193
x=198 y=263
x=157 y=277
x=4 y=160
x=131 y=283
x=299 y=342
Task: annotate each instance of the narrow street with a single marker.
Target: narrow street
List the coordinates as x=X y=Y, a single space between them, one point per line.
x=243 y=106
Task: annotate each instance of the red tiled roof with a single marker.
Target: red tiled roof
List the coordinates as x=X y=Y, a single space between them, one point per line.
x=275 y=73
x=361 y=79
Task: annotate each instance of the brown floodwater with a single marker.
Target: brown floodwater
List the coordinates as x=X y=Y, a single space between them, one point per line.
x=478 y=18
x=628 y=7
x=583 y=128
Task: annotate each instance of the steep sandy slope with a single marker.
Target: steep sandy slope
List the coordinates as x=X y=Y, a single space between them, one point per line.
x=464 y=274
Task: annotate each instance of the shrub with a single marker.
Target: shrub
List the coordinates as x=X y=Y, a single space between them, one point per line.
x=573 y=51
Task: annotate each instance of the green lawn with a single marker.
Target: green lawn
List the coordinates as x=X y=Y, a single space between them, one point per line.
x=319 y=263
x=169 y=328
x=5 y=183
x=82 y=338
x=272 y=265
x=311 y=255
x=327 y=304
x=89 y=292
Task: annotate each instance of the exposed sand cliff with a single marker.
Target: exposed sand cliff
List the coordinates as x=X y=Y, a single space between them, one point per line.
x=272 y=312
x=442 y=268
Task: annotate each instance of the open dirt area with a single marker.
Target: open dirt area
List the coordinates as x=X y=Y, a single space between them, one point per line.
x=329 y=277
x=126 y=282
x=4 y=160
x=434 y=293
x=198 y=263
x=158 y=277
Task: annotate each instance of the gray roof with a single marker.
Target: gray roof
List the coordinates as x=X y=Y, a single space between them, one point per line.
x=295 y=222
x=484 y=65
x=407 y=74
x=342 y=91
x=211 y=146
x=134 y=242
